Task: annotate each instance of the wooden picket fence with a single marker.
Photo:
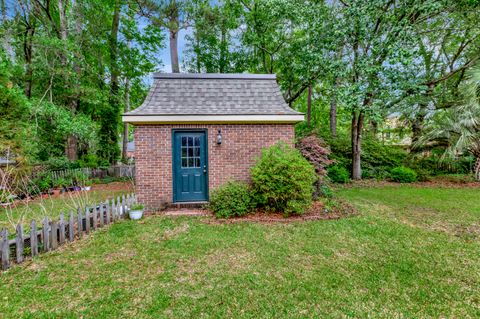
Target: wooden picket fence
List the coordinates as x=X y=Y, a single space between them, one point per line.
x=53 y=234
x=100 y=172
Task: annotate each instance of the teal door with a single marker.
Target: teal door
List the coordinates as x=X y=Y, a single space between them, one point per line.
x=190 y=173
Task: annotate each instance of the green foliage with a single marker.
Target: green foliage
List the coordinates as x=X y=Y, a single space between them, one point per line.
x=231 y=200
x=377 y=159
x=13 y=115
x=403 y=174
x=283 y=180
x=326 y=191
x=59 y=163
x=79 y=178
x=61 y=182
x=338 y=174
x=89 y=160
x=137 y=207
x=42 y=182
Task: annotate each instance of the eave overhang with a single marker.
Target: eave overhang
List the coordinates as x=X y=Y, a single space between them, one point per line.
x=213 y=119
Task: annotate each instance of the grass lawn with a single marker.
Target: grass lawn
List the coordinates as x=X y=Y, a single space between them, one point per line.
x=404 y=255
x=53 y=205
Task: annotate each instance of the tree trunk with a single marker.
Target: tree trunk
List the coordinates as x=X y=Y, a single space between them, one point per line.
x=63 y=30
x=223 y=49
x=417 y=128
x=71 y=144
x=108 y=132
x=333 y=109
x=28 y=51
x=477 y=169
x=309 y=105
x=125 y=125
x=197 y=53
x=71 y=148
x=7 y=38
x=419 y=120
x=357 y=125
x=174 y=51
x=114 y=49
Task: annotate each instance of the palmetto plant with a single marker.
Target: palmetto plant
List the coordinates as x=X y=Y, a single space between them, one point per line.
x=460 y=125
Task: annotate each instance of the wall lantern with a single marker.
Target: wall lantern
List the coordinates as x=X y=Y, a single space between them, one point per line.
x=219 y=137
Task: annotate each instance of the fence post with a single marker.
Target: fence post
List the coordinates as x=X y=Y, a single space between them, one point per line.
x=19 y=243
x=46 y=236
x=124 y=206
x=33 y=238
x=116 y=210
x=61 y=225
x=119 y=212
x=4 y=249
x=95 y=214
x=87 y=219
x=113 y=209
x=71 y=231
x=101 y=214
x=80 y=222
x=53 y=235
x=107 y=212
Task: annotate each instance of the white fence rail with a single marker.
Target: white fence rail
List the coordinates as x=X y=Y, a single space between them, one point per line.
x=54 y=233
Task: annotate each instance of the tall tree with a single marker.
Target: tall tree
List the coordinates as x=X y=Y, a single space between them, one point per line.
x=172 y=15
x=376 y=37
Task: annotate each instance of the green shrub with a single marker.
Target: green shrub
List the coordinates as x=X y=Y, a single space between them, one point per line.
x=403 y=174
x=79 y=178
x=88 y=160
x=377 y=159
x=59 y=163
x=230 y=200
x=283 y=180
x=325 y=191
x=338 y=174
x=137 y=207
x=60 y=182
x=42 y=182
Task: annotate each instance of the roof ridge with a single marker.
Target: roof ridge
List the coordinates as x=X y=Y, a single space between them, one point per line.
x=237 y=76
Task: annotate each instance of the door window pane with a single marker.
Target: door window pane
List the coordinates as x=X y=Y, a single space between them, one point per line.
x=190 y=152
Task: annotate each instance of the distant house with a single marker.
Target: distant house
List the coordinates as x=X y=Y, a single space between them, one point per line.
x=131 y=149
x=195 y=132
x=394 y=132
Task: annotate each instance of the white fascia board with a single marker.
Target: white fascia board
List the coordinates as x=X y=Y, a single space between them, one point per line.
x=213 y=119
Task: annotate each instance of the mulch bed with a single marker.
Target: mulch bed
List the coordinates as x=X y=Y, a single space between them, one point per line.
x=318 y=211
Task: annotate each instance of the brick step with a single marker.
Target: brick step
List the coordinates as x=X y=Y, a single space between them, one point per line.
x=187 y=205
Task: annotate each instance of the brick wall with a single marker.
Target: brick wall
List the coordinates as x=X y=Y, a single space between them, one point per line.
x=242 y=143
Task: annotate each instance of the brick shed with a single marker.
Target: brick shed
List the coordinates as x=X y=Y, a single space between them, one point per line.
x=195 y=132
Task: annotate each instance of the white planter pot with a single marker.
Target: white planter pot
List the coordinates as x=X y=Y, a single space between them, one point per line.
x=135 y=214
x=87 y=188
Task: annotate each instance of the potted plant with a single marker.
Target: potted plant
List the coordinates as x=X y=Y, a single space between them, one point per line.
x=136 y=211
x=44 y=183
x=87 y=185
x=6 y=198
x=59 y=185
x=79 y=179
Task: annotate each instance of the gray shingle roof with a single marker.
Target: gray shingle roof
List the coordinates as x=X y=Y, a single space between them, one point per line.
x=214 y=94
